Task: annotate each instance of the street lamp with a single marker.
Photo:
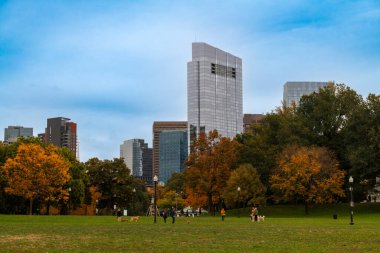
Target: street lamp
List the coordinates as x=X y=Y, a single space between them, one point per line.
x=68 y=204
x=238 y=189
x=133 y=202
x=351 y=180
x=155 y=179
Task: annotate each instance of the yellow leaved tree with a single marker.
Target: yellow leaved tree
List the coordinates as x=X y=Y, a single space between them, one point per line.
x=311 y=174
x=37 y=172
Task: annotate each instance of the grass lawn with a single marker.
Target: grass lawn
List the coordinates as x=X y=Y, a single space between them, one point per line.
x=286 y=229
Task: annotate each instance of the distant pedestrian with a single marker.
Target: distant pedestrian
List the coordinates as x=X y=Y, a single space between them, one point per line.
x=165 y=214
x=253 y=214
x=118 y=214
x=222 y=213
x=172 y=214
x=256 y=213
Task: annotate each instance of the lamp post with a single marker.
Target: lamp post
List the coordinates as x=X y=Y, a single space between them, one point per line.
x=351 y=180
x=133 y=202
x=155 y=179
x=68 y=204
x=238 y=189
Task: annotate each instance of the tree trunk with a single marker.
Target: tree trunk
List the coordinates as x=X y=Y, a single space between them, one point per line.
x=31 y=206
x=210 y=206
x=47 y=207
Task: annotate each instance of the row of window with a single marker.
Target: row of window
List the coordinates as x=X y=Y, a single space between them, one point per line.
x=222 y=70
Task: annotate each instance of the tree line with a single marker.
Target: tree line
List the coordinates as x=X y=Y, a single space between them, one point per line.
x=36 y=177
x=297 y=154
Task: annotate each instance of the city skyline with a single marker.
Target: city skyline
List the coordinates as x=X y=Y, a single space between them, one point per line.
x=116 y=67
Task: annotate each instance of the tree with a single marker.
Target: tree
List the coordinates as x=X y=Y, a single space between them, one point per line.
x=176 y=183
x=252 y=191
x=210 y=162
x=36 y=172
x=362 y=141
x=171 y=198
x=310 y=174
x=113 y=180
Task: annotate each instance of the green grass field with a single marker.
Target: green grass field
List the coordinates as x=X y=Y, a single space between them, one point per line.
x=286 y=229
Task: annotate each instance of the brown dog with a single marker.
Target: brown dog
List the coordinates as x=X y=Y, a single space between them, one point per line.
x=135 y=218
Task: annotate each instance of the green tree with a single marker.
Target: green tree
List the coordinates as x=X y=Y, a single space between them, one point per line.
x=252 y=191
x=362 y=141
x=176 y=183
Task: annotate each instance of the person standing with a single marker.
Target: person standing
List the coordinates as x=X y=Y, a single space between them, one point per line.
x=118 y=214
x=222 y=213
x=172 y=214
x=256 y=214
x=253 y=214
x=165 y=214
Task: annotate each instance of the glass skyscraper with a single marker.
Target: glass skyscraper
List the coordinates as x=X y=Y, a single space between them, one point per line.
x=12 y=133
x=214 y=92
x=293 y=91
x=137 y=157
x=173 y=153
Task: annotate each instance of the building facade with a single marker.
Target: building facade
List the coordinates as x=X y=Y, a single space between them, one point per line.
x=12 y=133
x=138 y=158
x=158 y=127
x=293 y=91
x=173 y=153
x=251 y=119
x=62 y=133
x=214 y=92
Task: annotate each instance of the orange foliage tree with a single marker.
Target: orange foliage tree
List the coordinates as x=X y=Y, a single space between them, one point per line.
x=209 y=165
x=37 y=172
x=308 y=173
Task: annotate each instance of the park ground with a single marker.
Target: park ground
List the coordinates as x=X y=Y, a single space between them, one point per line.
x=285 y=229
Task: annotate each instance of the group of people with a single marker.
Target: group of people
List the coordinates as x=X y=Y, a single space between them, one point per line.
x=171 y=213
x=254 y=214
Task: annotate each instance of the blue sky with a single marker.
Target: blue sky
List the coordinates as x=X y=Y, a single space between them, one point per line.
x=114 y=67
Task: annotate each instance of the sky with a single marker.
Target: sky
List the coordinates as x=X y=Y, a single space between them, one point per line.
x=114 y=67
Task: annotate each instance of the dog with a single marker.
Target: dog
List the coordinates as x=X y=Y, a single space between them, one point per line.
x=135 y=218
x=124 y=219
x=260 y=218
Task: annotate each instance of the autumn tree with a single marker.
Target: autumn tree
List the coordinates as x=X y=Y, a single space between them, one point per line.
x=252 y=191
x=310 y=174
x=36 y=172
x=209 y=165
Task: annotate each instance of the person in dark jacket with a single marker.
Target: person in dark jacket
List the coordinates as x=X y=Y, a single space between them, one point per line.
x=172 y=214
x=165 y=214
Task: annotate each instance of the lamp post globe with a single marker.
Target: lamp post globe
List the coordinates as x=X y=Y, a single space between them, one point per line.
x=155 y=180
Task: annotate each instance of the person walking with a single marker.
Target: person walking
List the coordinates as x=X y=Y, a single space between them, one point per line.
x=172 y=214
x=165 y=214
x=256 y=213
x=222 y=213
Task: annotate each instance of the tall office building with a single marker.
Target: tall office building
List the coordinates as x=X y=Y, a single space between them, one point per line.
x=214 y=92
x=158 y=127
x=12 y=133
x=61 y=133
x=173 y=153
x=293 y=91
x=137 y=157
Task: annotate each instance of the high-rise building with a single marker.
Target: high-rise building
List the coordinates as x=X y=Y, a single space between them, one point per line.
x=12 y=133
x=158 y=127
x=293 y=91
x=61 y=133
x=137 y=157
x=173 y=153
x=214 y=92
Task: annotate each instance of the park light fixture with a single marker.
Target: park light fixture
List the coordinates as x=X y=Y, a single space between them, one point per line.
x=351 y=180
x=238 y=189
x=155 y=179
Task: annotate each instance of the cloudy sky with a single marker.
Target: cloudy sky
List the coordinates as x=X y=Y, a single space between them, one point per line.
x=114 y=67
